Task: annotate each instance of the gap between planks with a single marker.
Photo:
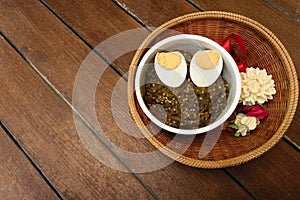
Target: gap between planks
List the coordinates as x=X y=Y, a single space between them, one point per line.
x=131 y=14
x=270 y=2
x=100 y=137
x=32 y=162
x=116 y=69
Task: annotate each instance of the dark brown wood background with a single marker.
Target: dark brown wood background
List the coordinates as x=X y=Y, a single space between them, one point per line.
x=42 y=45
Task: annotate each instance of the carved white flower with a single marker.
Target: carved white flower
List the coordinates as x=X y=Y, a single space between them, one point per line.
x=245 y=123
x=257 y=86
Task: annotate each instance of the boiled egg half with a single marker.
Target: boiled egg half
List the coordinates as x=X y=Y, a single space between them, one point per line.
x=171 y=68
x=205 y=67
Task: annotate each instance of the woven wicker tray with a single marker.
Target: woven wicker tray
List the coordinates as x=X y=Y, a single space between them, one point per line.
x=264 y=50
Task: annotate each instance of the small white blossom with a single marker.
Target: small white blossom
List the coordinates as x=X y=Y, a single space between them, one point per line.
x=257 y=86
x=245 y=123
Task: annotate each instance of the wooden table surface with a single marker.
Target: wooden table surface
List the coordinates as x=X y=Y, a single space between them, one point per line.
x=42 y=46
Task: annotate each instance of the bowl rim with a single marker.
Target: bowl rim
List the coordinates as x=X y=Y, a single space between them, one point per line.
x=221 y=119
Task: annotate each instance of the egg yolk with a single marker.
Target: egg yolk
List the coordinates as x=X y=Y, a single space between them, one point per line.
x=169 y=60
x=207 y=59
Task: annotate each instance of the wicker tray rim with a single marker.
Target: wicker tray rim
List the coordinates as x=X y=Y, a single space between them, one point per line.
x=290 y=72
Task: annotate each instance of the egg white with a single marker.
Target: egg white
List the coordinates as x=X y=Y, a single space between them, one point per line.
x=172 y=77
x=204 y=77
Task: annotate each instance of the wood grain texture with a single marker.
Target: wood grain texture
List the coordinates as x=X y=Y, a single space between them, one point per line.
x=18 y=178
x=94 y=17
x=44 y=126
x=107 y=14
x=154 y=13
x=291 y=6
x=98 y=21
x=59 y=61
x=284 y=27
x=274 y=175
x=53 y=65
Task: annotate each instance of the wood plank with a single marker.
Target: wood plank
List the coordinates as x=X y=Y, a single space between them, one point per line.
x=290 y=6
x=284 y=27
x=53 y=65
x=88 y=18
x=44 y=126
x=107 y=14
x=274 y=176
x=18 y=178
x=166 y=173
x=102 y=14
x=154 y=13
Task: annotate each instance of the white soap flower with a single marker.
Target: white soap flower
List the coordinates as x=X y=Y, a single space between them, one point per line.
x=257 y=86
x=245 y=123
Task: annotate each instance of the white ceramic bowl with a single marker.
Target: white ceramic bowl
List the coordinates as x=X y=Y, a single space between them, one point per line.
x=191 y=43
